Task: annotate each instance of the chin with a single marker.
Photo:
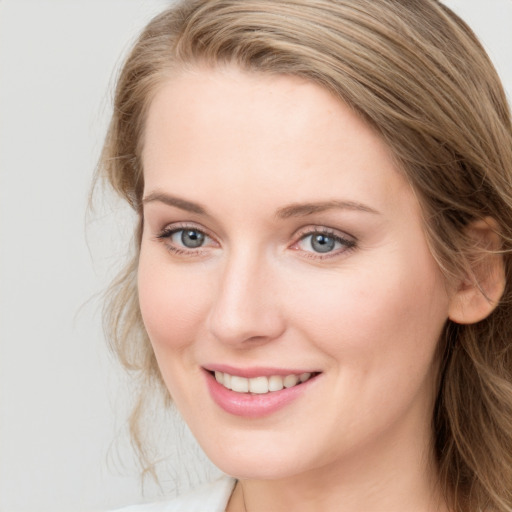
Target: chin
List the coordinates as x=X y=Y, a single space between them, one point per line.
x=256 y=469
x=248 y=461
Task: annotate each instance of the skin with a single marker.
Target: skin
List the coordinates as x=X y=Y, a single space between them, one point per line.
x=367 y=315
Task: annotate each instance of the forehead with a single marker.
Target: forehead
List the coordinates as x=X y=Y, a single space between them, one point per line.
x=228 y=130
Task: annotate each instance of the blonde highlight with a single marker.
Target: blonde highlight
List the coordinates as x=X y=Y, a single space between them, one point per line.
x=416 y=73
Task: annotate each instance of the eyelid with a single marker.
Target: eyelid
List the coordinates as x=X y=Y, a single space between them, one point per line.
x=177 y=226
x=165 y=235
x=348 y=241
x=312 y=229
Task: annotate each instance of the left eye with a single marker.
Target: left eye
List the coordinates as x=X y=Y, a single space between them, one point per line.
x=189 y=238
x=322 y=242
x=181 y=239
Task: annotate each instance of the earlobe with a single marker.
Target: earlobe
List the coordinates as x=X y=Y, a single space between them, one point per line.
x=478 y=294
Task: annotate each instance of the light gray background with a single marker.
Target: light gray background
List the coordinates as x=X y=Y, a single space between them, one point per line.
x=62 y=401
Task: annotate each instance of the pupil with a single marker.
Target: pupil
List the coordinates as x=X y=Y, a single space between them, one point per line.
x=322 y=243
x=192 y=239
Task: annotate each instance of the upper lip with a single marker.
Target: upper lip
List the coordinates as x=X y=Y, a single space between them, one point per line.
x=256 y=371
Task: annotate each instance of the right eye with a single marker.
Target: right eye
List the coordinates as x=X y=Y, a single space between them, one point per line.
x=189 y=238
x=185 y=239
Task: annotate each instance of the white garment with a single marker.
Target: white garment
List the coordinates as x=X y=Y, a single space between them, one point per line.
x=211 y=497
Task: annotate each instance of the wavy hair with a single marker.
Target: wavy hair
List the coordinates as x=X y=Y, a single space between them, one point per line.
x=417 y=73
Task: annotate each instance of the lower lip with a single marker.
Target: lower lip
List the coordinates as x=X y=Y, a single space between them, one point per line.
x=249 y=405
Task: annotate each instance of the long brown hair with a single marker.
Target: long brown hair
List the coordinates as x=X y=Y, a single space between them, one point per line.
x=418 y=74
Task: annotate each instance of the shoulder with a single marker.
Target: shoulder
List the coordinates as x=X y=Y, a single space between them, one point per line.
x=210 y=497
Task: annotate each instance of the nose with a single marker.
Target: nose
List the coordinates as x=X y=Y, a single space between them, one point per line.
x=245 y=307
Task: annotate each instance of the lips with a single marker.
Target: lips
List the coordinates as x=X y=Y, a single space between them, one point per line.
x=256 y=393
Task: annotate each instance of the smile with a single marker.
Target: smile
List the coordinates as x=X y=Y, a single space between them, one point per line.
x=260 y=385
x=257 y=392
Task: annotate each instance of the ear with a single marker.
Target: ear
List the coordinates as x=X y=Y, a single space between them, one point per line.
x=480 y=291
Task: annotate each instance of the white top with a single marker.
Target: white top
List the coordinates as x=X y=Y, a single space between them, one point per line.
x=210 y=497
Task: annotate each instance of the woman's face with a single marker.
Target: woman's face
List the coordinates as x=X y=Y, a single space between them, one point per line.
x=281 y=244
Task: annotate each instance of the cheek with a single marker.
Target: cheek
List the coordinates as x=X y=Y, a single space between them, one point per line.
x=369 y=319
x=171 y=302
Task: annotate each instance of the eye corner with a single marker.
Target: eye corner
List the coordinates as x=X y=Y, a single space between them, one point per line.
x=186 y=239
x=329 y=243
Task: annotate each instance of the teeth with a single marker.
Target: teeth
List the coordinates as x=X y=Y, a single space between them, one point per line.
x=260 y=385
x=275 y=383
x=239 y=384
x=290 y=381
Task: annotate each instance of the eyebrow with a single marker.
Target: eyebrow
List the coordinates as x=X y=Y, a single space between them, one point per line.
x=305 y=209
x=292 y=210
x=178 y=202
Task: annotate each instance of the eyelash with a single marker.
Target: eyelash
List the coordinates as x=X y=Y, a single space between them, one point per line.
x=347 y=243
x=168 y=232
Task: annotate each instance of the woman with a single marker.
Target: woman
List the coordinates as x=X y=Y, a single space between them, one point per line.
x=321 y=278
